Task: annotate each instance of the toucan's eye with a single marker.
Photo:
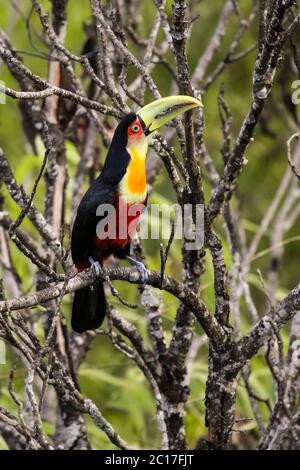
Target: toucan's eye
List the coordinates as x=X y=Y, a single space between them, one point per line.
x=135 y=128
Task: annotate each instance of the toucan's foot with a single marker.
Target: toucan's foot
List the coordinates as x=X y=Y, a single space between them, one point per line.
x=95 y=265
x=141 y=268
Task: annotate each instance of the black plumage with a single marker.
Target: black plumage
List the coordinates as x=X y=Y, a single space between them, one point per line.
x=89 y=305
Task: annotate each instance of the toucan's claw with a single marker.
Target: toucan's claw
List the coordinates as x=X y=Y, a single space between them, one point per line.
x=141 y=268
x=95 y=265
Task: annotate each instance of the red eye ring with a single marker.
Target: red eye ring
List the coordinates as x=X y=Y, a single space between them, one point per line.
x=135 y=128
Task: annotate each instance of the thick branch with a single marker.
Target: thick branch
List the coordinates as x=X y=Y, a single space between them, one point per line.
x=193 y=301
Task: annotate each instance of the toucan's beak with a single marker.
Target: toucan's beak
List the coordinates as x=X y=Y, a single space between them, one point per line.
x=156 y=114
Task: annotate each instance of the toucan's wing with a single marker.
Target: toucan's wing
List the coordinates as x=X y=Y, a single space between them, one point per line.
x=102 y=191
x=84 y=229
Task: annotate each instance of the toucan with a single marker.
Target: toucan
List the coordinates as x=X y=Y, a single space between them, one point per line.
x=121 y=186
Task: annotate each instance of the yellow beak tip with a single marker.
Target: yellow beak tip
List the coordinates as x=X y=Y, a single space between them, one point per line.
x=198 y=103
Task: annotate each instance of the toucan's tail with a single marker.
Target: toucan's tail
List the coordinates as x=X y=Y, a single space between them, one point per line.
x=89 y=308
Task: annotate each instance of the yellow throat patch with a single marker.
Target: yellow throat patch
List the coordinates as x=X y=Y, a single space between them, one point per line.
x=133 y=185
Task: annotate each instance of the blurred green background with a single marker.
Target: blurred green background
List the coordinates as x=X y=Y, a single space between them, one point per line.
x=112 y=381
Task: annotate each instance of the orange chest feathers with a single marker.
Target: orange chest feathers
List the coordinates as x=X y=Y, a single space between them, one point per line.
x=133 y=185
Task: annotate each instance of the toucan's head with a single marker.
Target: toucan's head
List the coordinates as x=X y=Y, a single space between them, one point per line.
x=158 y=113
x=133 y=131
x=135 y=127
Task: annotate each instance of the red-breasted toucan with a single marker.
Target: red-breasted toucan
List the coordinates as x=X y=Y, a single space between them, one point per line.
x=122 y=183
